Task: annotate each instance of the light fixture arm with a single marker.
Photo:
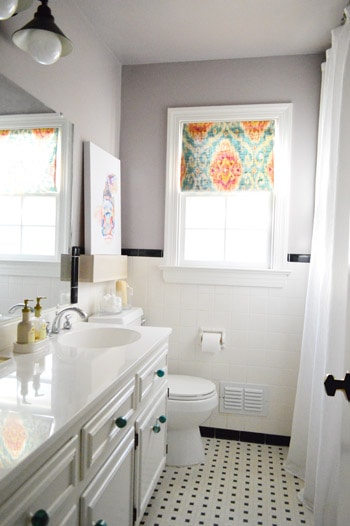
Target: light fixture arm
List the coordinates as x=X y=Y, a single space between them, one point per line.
x=43 y=19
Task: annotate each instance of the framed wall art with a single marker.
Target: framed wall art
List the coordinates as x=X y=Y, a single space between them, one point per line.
x=102 y=201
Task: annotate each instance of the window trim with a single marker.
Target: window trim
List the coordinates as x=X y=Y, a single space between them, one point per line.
x=47 y=266
x=282 y=114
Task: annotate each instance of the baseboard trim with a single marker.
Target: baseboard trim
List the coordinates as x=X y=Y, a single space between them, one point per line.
x=245 y=436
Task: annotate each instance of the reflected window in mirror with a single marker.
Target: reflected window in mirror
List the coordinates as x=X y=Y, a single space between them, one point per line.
x=34 y=187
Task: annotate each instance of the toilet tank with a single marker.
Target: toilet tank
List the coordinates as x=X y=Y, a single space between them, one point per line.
x=127 y=317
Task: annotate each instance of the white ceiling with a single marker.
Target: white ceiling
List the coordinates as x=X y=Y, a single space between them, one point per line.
x=152 y=31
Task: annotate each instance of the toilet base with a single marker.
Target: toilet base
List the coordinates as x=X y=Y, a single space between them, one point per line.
x=185 y=447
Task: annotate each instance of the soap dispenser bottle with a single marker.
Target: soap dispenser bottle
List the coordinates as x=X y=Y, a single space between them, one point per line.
x=25 y=328
x=39 y=321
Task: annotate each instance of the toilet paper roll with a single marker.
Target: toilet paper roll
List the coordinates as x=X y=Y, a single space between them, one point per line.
x=211 y=342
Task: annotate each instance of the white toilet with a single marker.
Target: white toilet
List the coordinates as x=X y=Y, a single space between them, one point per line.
x=126 y=318
x=190 y=403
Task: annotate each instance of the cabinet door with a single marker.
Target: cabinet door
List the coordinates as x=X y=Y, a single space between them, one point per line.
x=108 y=497
x=150 y=452
x=47 y=492
x=71 y=518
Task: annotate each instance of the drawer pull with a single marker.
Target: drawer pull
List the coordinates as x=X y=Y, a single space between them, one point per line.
x=121 y=422
x=101 y=523
x=160 y=373
x=161 y=420
x=40 y=518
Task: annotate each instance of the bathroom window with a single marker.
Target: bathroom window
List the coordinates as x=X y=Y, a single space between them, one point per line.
x=227 y=187
x=33 y=187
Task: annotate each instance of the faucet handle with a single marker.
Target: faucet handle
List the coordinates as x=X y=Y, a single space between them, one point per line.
x=68 y=323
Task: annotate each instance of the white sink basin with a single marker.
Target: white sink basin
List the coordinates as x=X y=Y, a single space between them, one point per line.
x=99 y=337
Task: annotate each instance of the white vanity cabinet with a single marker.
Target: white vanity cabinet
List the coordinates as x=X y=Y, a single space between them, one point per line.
x=101 y=468
x=47 y=493
x=108 y=498
x=150 y=453
x=108 y=425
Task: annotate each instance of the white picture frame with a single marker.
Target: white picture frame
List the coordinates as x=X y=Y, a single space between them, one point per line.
x=102 y=201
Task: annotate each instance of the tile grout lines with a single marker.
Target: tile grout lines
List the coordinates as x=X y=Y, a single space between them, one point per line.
x=240 y=483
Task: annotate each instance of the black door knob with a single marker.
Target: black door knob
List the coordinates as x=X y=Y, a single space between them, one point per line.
x=332 y=385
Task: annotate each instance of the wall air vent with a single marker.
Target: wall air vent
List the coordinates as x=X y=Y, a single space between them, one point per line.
x=243 y=399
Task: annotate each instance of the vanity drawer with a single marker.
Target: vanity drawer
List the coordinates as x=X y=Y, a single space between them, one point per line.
x=107 y=427
x=48 y=491
x=150 y=377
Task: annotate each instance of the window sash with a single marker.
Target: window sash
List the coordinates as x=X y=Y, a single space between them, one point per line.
x=53 y=183
x=225 y=223
x=282 y=115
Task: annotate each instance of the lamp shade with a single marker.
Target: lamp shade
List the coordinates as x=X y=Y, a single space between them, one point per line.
x=7 y=8
x=41 y=38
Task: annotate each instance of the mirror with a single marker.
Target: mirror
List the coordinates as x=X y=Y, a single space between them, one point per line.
x=18 y=279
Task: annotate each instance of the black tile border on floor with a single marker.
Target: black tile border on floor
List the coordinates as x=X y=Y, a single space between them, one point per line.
x=245 y=436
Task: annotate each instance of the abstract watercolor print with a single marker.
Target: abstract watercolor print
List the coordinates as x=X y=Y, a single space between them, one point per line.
x=102 y=201
x=106 y=212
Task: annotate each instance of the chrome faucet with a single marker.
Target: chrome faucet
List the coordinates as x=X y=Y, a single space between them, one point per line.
x=67 y=324
x=18 y=306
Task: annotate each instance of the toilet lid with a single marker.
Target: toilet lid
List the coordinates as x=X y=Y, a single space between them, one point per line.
x=183 y=387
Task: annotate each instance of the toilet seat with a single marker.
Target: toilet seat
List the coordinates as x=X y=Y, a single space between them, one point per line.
x=183 y=387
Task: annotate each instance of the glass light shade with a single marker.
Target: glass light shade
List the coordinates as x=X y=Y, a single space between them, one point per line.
x=41 y=38
x=7 y=8
x=45 y=47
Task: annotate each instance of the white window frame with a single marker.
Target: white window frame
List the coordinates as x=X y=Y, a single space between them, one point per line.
x=172 y=270
x=41 y=265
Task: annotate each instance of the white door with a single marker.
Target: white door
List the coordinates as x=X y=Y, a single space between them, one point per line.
x=339 y=388
x=344 y=474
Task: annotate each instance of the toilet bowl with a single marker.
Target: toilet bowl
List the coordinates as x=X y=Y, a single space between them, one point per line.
x=190 y=403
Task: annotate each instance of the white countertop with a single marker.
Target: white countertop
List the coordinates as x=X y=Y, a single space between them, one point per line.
x=42 y=392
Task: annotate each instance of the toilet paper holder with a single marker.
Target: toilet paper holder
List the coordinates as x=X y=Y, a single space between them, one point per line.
x=213 y=331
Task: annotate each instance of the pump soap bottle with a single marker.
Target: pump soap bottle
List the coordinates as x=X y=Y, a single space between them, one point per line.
x=39 y=321
x=25 y=328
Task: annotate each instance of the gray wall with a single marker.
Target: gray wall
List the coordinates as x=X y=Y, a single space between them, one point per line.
x=147 y=92
x=85 y=86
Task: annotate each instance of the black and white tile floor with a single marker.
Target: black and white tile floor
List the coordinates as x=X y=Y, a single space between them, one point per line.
x=240 y=483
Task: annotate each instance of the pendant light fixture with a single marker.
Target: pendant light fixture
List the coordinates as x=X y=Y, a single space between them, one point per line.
x=41 y=38
x=9 y=8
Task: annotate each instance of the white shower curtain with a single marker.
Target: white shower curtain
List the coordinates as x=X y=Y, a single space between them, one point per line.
x=315 y=449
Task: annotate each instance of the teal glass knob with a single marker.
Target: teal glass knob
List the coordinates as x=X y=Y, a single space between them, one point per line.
x=101 y=523
x=121 y=422
x=156 y=428
x=40 y=518
x=160 y=373
x=162 y=419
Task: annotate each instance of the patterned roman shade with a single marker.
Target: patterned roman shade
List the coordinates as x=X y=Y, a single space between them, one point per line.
x=30 y=157
x=227 y=156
